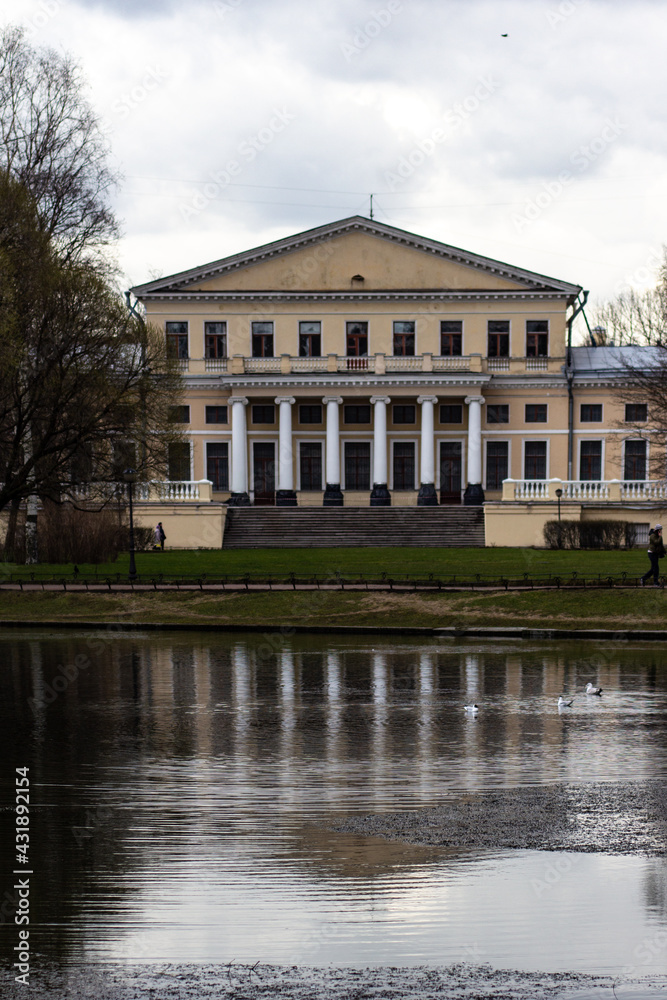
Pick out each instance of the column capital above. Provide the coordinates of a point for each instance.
(285, 399)
(475, 399)
(380, 399)
(332, 399)
(427, 399)
(239, 399)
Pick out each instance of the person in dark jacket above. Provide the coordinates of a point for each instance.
(656, 550)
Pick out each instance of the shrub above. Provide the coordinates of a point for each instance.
(600, 534)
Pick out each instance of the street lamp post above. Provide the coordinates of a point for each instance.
(130, 477)
(559, 494)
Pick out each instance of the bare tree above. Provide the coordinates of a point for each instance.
(52, 143)
(635, 317)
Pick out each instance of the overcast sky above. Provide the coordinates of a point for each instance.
(532, 131)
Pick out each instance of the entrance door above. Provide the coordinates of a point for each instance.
(450, 472)
(264, 473)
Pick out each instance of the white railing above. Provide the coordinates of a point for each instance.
(215, 364)
(355, 364)
(308, 364)
(531, 489)
(644, 489)
(498, 364)
(584, 489)
(177, 491)
(537, 364)
(404, 363)
(261, 364)
(444, 362)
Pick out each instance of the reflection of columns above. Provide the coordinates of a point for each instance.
(381, 764)
(474, 494)
(427, 495)
(239, 497)
(380, 496)
(285, 497)
(333, 496)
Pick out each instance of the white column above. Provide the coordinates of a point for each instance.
(427, 495)
(333, 495)
(285, 457)
(380, 439)
(239, 446)
(474, 444)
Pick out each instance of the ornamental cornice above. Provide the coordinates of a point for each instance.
(435, 295)
(287, 383)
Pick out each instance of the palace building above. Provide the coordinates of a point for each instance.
(357, 364)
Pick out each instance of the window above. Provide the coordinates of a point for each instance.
(124, 457)
(310, 465)
(537, 338)
(310, 339)
(177, 339)
(215, 340)
(404, 339)
(634, 466)
(636, 413)
(356, 340)
(404, 413)
(179, 414)
(310, 413)
(497, 463)
(536, 413)
(178, 463)
(591, 413)
(535, 460)
(262, 340)
(404, 465)
(216, 415)
(499, 338)
(497, 413)
(451, 338)
(357, 414)
(263, 413)
(357, 465)
(590, 460)
(217, 465)
(451, 413)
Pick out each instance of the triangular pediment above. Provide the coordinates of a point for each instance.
(356, 255)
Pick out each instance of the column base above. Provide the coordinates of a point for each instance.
(380, 495)
(239, 500)
(427, 496)
(286, 498)
(474, 495)
(333, 496)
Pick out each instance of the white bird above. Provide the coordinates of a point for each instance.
(473, 709)
(592, 690)
(564, 702)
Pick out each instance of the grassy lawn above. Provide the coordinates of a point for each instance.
(371, 562)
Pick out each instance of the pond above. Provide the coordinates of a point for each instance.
(183, 787)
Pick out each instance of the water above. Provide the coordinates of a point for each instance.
(183, 789)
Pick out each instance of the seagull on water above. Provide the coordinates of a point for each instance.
(592, 690)
(565, 702)
(472, 709)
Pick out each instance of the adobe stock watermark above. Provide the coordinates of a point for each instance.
(452, 120)
(128, 102)
(581, 158)
(247, 151)
(556, 15)
(223, 8)
(45, 12)
(364, 35)
(645, 276)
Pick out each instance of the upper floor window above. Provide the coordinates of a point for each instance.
(404, 338)
(263, 413)
(403, 413)
(451, 338)
(535, 460)
(216, 415)
(536, 413)
(499, 338)
(590, 460)
(177, 339)
(537, 338)
(310, 413)
(497, 413)
(451, 413)
(636, 413)
(262, 340)
(310, 339)
(356, 340)
(179, 414)
(215, 340)
(634, 465)
(590, 413)
(357, 413)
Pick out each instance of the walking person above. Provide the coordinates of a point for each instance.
(159, 536)
(656, 550)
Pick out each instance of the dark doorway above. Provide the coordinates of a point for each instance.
(357, 466)
(450, 472)
(264, 474)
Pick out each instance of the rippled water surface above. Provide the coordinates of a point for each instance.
(183, 786)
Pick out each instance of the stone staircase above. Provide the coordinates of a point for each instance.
(327, 527)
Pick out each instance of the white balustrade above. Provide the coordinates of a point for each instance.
(450, 363)
(308, 364)
(498, 364)
(215, 364)
(585, 489)
(401, 363)
(537, 364)
(644, 489)
(261, 365)
(531, 489)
